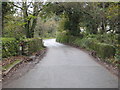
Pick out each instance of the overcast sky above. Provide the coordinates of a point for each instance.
(63, 0)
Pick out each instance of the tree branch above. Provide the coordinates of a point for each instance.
(17, 6)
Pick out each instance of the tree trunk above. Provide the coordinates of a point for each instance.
(103, 27)
(1, 19)
(34, 21)
(33, 27)
(26, 21)
(2, 24)
(103, 19)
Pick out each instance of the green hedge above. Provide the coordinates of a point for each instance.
(85, 42)
(62, 38)
(103, 50)
(32, 45)
(9, 47)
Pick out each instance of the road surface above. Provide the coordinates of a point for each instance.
(66, 67)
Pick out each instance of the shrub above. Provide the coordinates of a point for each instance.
(9, 47)
(103, 50)
(62, 38)
(72, 39)
(32, 45)
(85, 42)
(117, 55)
(77, 42)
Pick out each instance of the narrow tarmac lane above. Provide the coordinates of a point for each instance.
(66, 67)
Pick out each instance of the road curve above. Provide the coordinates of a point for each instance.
(66, 67)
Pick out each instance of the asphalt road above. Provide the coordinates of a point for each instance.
(66, 67)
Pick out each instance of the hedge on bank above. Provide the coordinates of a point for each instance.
(103, 50)
(13, 47)
(32, 45)
(65, 38)
(62, 38)
(10, 47)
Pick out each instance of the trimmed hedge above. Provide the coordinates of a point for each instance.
(10, 47)
(32, 45)
(103, 50)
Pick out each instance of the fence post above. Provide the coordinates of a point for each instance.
(21, 49)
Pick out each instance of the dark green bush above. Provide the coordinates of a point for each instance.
(62, 38)
(117, 55)
(85, 42)
(9, 47)
(32, 45)
(103, 50)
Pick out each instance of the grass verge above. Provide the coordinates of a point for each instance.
(5, 68)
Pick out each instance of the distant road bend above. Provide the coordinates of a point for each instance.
(66, 67)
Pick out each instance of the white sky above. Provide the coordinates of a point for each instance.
(62, 0)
